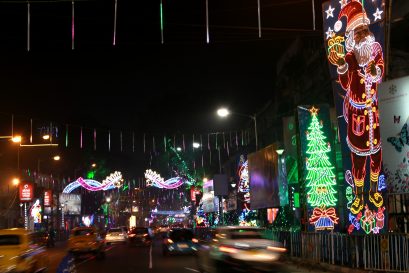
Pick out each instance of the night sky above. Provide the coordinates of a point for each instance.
(141, 84)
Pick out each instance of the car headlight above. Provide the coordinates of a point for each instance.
(227, 249)
(276, 249)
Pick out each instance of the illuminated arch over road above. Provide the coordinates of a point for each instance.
(154, 179)
(111, 182)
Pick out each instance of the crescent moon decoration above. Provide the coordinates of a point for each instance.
(154, 179)
(114, 180)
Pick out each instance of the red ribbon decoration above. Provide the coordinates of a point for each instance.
(324, 213)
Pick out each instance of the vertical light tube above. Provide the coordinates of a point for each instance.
(72, 26)
(81, 138)
(115, 16)
(207, 22)
(28, 26)
(95, 139)
(313, 15)
(259, 18)
(31, 130)
(120, 135)
(161, 22)
(109, 140)
(66, 135)
(133, 142)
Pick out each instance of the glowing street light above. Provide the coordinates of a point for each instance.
(16, 139)
(178, 149)
(196, 145)
(16, 181)
(46, 137)
(108, 199)
(93, 165)
(223, 112)
(57, 157)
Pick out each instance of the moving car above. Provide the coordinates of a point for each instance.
(86, 240)
(139, 236)
(21, 251)
(179, 241)
(116, 235)
(239, 248)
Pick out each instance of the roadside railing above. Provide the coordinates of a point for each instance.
(380, 252)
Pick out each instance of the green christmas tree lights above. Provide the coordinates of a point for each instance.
(320, 176)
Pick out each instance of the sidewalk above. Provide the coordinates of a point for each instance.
(325, 267)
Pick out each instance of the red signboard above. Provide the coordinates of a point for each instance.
(193, 192)
(26, 192)
(48, 198)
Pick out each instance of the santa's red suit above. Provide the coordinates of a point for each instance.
(359, 78)
(361, 105)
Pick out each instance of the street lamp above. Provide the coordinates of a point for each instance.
(224, 112)
(15, 181)
(55, 158)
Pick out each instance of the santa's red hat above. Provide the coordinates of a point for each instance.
(355, 14)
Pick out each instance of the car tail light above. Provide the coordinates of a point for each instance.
(277, 249)
(170, 241)
(228, 249)
(194, 240)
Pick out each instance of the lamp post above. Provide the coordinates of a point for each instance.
(108, 200)
(55, 158)
(17, 139)
(224, 112)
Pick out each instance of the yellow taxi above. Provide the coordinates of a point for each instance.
(86, 240)
(21, 251)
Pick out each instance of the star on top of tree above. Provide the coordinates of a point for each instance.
(313, 111)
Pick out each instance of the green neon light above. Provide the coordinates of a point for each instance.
(320, 177)
(90, 175)
(296, 200)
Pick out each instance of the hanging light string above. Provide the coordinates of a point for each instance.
(259, 18)
(115, 19)
(72, 26)
(28, 26)
(207, 22)
(161, 22)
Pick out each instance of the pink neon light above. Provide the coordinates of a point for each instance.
(85, 185)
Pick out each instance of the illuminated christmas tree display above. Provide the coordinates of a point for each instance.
(320, 176)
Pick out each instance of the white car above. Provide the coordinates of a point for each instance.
(239, 248)
(116, 235)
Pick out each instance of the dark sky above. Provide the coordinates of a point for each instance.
(141, 84)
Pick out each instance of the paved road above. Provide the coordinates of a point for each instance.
(125, 259)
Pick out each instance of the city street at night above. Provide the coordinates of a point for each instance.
(123, 258)
(209, 136)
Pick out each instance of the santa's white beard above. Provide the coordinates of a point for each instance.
(363, 50)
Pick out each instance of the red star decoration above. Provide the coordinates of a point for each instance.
(313, 110)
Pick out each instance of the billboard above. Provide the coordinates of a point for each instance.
(48, 198)
(26, 191)
(354, 43)
(394, 119)
(210, 202)
(263, 174)
(70, 203)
